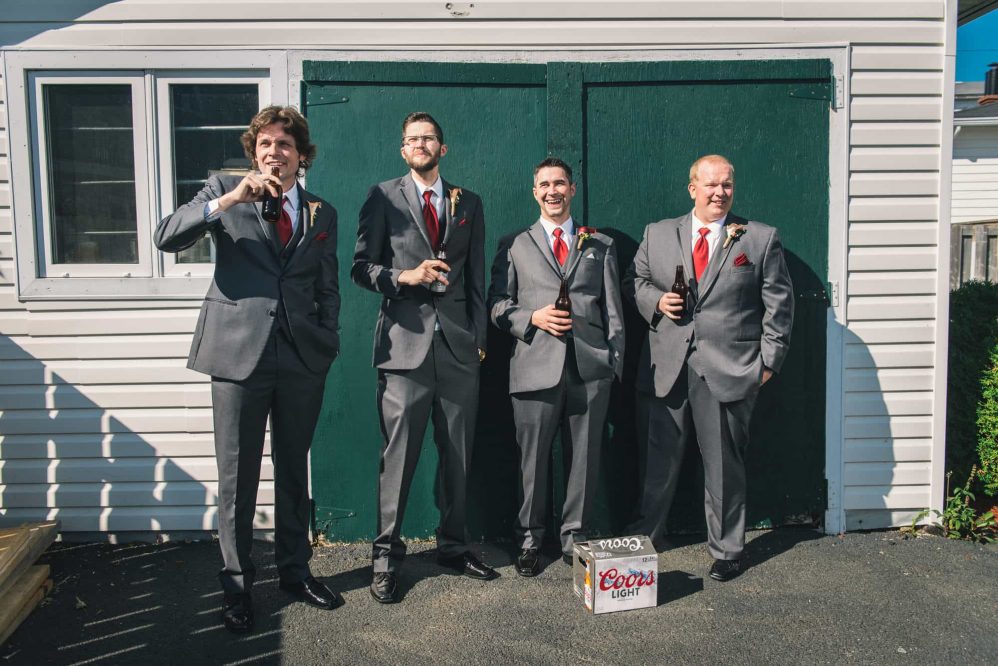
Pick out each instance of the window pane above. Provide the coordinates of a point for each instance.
(992, 263)
(208, 120)
(91, 171)
(966, 259)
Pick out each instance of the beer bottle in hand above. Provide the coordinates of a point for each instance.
(563, 302)
(437, 287)
(680, 287)
(271, 209)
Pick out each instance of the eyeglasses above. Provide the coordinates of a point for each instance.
(416, 140)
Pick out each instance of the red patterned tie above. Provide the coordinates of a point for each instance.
(560, 249)
(701, 253)
(284, 224)
(431, 219)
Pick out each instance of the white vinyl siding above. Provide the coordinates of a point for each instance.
(126, 359)
(975, 174)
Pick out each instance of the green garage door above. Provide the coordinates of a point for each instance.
(631, 129)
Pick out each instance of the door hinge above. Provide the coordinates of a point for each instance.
(839, 98)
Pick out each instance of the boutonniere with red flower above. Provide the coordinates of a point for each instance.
(313, 206)
(585, 233)
(734, 232)
(454, 195)
(321, 237)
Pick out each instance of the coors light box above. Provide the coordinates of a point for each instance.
(616, 574)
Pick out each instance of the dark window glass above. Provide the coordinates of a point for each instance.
(91, 170)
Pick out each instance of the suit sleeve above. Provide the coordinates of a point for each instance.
(613, 311)
(367, 270)
(187, 225)
(778, 302)
(327, 287)
(638, 286)
(506, 313)
(474, 277)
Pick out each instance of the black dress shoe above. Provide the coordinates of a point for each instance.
(313, 593)
(567, 559)
(723, 570)
(237, 615)
(470, 566)
(384, 588)
(528, 563)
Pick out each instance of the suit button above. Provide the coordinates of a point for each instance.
(273, 313)
(686, 340)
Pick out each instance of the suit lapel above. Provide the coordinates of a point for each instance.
(719, 258)
(448, 218)
(304, 222)
(574, 255)
(684, 230)
(536, 233)
(267, 229)
(412, 198)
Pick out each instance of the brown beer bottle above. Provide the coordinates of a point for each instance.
(680, 287)
(437, 287)
(563, 302)
(271, 209)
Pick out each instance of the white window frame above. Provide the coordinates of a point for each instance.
(164, 79)
(156, 276)
(47, 267)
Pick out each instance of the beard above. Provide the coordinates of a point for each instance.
(421, 164)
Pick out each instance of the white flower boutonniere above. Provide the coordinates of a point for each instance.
(455, 196)
(733, 231)
(313, 206)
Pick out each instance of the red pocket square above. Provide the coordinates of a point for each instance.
(463, 221)
(322, 236)
(742, 260)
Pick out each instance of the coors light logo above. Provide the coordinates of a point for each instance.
(625, 585)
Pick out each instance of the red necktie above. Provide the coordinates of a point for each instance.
(284, 224)
(560, 249)
(431, 219)
(701, 253)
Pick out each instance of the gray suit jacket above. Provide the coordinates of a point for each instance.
(741, 314)
(391, 238)
(252, 284)
(526, 277)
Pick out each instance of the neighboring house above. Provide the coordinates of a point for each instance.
(975, 182)
(837, 115)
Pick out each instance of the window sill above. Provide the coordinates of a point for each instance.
(94, 288)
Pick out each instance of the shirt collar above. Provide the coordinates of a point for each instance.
(715, 227)
(437, 187)
(293, 197)
(567, 227)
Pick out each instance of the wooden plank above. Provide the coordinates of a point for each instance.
(887, 450)
(897, 83)
(97, 371)
(906, 283)
(109, 470)
(6, 221)
(105, 397)
(113, 322)
(134, 308)
(884, 332)
(892, 258)
(120, 494)
(887, 474)
(890, 356)
(896, 108)
(22, 598)
(118, 445)
(886, 497)
(78, 421)
(884, 209)
(872, 403)
(861, 308)
(156, 518)
(903, 427)
(68, 347)
(890, 57)
(894, 134)
(880, 184)
(889, 379)
(900, 158)
(893, 233)
(880, 519)
(20, 549)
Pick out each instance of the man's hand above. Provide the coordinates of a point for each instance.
(767, 374)
(250, 189)
(555, 322)
(426, 273)
(671, 305)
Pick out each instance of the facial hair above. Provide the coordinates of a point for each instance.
(429, 165)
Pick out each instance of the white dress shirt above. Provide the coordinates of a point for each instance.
(437, 199)
(716, 228)
(567, 232)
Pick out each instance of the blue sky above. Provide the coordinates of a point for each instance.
(976, 47)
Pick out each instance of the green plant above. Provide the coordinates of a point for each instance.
(973, 336)
(959, 518)
(987, 429)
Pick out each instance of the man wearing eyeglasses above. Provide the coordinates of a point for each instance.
(428, 343)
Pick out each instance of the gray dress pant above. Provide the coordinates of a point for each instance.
(578, 409)
(444, 388)
(721, 430)
(284, 388)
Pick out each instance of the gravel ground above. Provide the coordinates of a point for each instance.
(875, 598)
